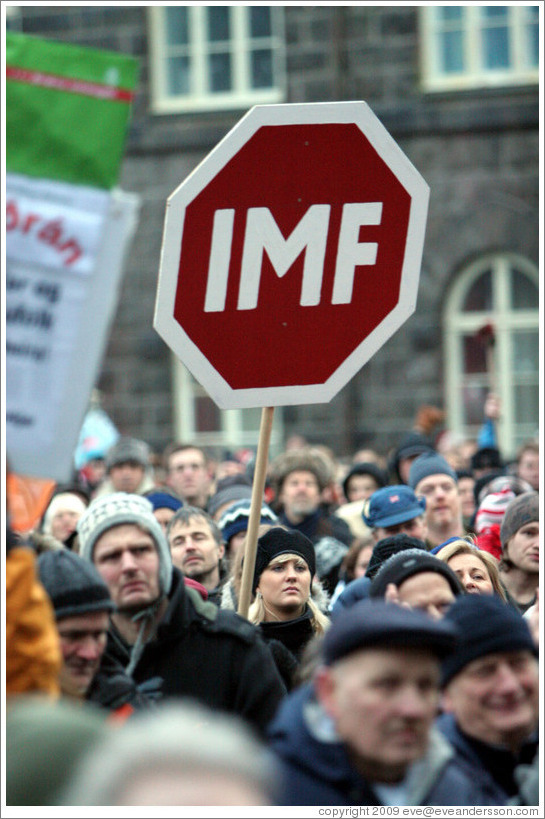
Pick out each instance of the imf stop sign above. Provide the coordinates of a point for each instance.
(291, 254)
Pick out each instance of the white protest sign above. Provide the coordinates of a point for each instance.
(65, 251)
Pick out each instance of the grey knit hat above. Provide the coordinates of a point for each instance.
(127, 450)
(521, 510)
(429, 463)
(121, 507)
(73, 585)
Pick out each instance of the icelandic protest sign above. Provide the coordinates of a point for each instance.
(68, 229)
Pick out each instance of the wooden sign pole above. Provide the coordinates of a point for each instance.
(258, 488)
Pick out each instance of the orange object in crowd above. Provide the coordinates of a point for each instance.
(27, 500)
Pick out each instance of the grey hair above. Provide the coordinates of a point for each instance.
(182, 734)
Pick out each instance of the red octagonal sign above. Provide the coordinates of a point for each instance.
(291, 254)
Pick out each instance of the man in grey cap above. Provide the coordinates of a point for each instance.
(82, 606)
(128, 468)
(519, 535)
(361, 732)
(163, 628)
(432, 478)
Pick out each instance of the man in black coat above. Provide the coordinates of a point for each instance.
(163, 629)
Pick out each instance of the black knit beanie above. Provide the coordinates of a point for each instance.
(73, 584)
(401, 566)
(486, 625)
(389, 546)
(278, 541)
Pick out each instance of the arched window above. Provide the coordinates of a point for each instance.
(491, 342)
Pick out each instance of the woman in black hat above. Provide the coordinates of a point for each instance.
(289, 604)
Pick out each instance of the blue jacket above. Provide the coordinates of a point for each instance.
(493, 768)
(353, 592)
(317, 771)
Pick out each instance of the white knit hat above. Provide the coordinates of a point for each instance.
(115, 509)
(64, 501)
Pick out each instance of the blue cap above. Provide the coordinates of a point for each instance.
(392, 505)
(164, 500)
(376, 624)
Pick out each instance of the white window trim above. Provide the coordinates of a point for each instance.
(505, 321)
(232, 434)
(242, 96)
(474, 76)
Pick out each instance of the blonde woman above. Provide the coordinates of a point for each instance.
(476, 569)
(289, 602)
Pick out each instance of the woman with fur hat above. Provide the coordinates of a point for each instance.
(289, 602)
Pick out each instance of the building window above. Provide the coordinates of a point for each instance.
(198, 418)
(476, 46)
(215, 57)
(491, 343)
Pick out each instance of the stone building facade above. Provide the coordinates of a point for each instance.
(477, 148)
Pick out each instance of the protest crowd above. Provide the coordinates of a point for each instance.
(389, 655)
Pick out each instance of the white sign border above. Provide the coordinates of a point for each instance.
(175, 336)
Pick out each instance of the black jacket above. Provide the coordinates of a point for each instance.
(112, 688)
(294, 634)
(287, 640)
(209, 654)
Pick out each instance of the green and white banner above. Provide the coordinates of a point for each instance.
(67, 233)
(67, 110)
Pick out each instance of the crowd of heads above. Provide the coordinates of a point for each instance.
(410, 572)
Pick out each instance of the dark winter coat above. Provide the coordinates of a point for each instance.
(317, 769)
(287, 639)
(294, 634)
(203, 652)
(112, 688)
(493, 767)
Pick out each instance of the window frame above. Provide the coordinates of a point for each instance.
(474, 76)
(241, 96)
(457, 323)
(234, 432)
